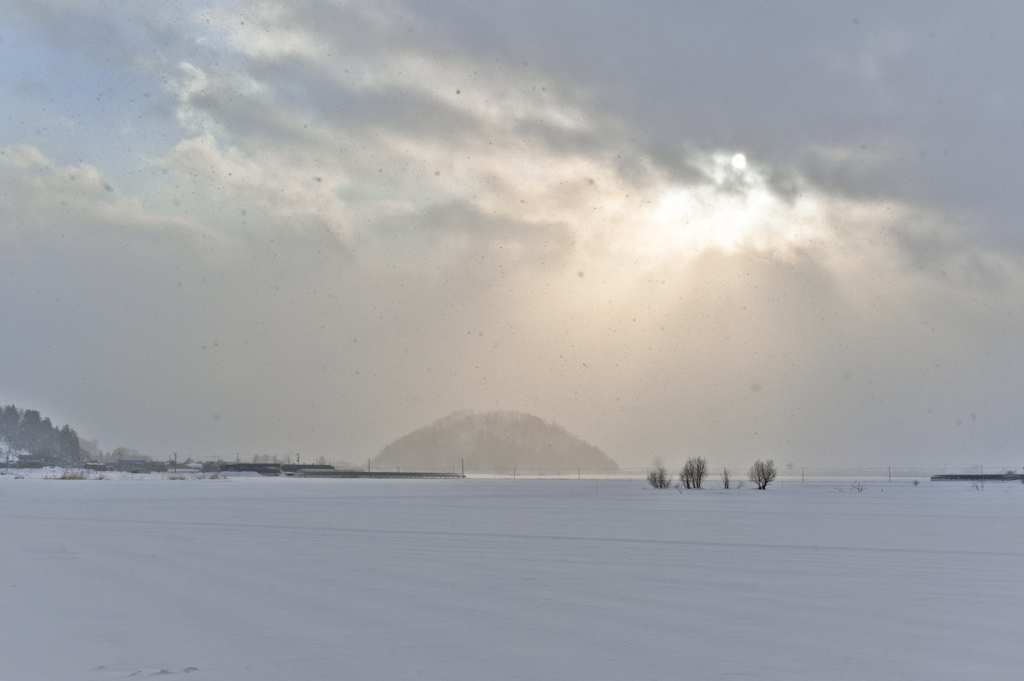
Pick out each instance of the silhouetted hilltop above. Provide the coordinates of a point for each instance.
(494, 441)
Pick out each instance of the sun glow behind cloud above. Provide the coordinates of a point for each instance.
(504, 160)
(734, 210)
(495, 163)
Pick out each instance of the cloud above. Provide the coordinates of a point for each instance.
(368, 217)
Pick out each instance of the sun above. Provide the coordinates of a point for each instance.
(725, 215)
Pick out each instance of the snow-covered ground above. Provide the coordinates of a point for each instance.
(252, 578)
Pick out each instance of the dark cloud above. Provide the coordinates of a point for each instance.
(931, 89)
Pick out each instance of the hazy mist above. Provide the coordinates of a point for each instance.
(737, 230)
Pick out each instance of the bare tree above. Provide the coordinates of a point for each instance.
(659, 478)
(762, 473)
(694, 472)
(725, 478)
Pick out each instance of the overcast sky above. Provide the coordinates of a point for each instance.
(762, 229)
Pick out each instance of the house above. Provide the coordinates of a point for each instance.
(128, 464)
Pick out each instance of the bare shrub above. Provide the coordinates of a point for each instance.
(725, 478)
(68, 475)
(694, 472)
(659, 478)
(177, 477)
(700, 471)
(916, 483)
(762, 473)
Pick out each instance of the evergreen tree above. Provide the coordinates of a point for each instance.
(27, 435)
(70, 449)
(9, 419)
(28, 431)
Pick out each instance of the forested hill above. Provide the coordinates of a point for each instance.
(494, 441)
(24, 431)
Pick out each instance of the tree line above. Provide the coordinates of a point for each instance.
(695, 471)
(26, 431)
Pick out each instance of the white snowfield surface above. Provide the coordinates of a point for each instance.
(483, 579)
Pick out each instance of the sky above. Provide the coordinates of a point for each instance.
(786, 230)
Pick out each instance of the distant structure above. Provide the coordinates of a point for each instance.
(133, 464)
(979, 477)
(323, 471)
(261, 468)
(496, 441)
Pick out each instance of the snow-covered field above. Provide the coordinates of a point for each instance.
(252, 578)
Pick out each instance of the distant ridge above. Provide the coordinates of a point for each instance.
(494, 441)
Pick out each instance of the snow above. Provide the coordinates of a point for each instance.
(8, 455)
(275, 578)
